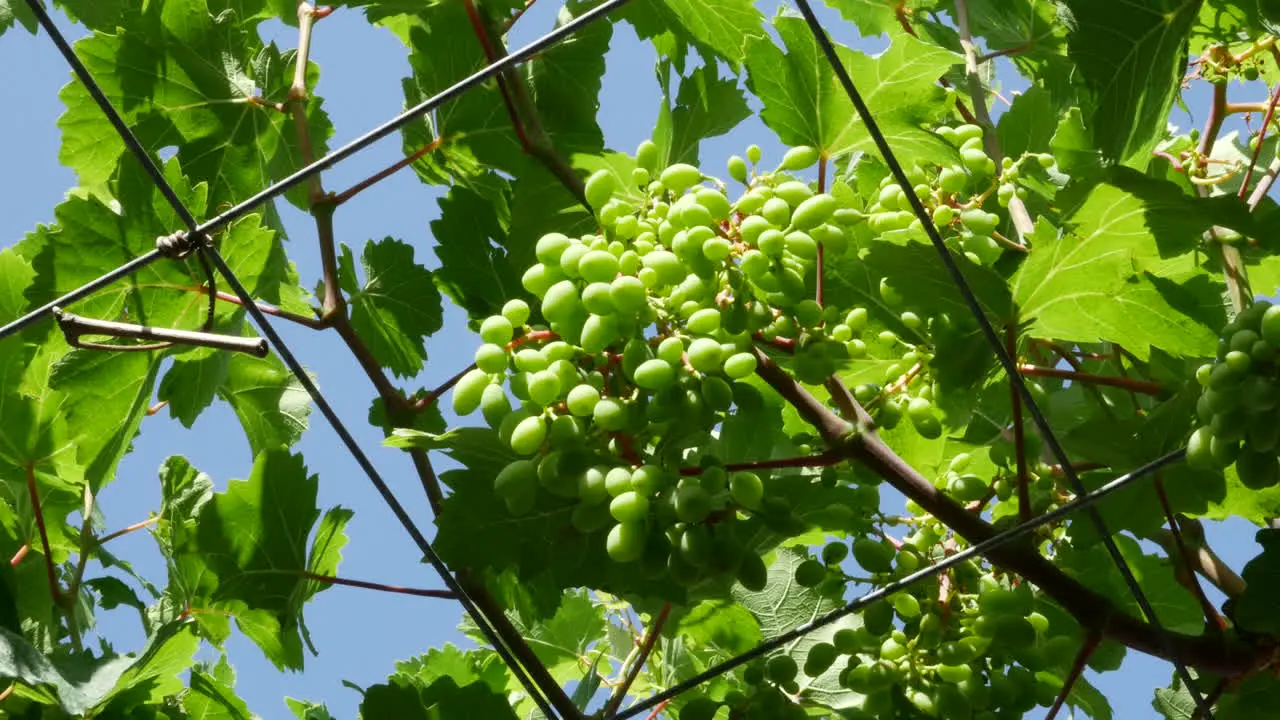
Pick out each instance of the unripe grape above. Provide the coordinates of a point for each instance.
(704, 322)
(491, 358)
(740, 365)
(550, 247)
(599, 187)
(530, 360)
(561, 303)
(798, 158)
(979, 222)
(571, 256)
(692, 504)
(667, 267)
(610, 414)
(680, 177)
(801, 245)
(704, 355)
(654, 374)
(776, 211)
(746, 489)
(629, 506)
(714, 201)
(890, 294)
(810, 573)
(626, 542)
(469, 391)
(539, 277)
(496, 329)
(647, 155)
(738, 168)
(543, 387)
(598, 266)
(975, 160)
(598, 332)
(716, 249)
(751, 202)
(517, 485)
(582, 400)
(793, 192)
(528, 435)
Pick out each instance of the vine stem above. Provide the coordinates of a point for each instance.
(125, 531)
(1071, 359)
(1233, 271)
(637, 664)
(314, 323)
(87, 545)
(431, 397)
(365, 584)
(857, 442)
(1202, 558)
(533, 138)
(978, 93)
(1144, 387)
(383, 174)
(1185, 572)
(1262, 136)
(1091, 643)
(34, 493)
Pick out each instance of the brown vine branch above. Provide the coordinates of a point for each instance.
(1144, 387)
(34, 493)
(823, 459)
(525, 120)
(365, 584)
(1219, 655)
(1091, 642)
(267, 309)
(1262, 136)
(1203, 559)
(637, 664)
(988, 57)
(1185, 572)
(157, 407)
(1073, 359)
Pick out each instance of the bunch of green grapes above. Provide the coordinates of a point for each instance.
(1238, 406)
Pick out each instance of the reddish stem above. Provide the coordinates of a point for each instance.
(1077, 667)
(512, 20)
(385, 173)
(430, 398)
(820, 460)
(786, 345)
(491, 56)
(656, 711)
(321, 13)
(1262, 136)
(1186, 574)
(313, 323)
(34, 493)
(157, 407)
(442, 594)
(898, 385)
(1007, 51)
(1132, 385)
(22, 552)
(650, 639)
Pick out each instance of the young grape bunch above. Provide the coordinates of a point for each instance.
(1238, 407)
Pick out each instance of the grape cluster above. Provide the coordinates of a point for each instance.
(1238, 406)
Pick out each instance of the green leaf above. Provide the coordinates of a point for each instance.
(724, 26)
(1092, 284)
(706, 106)
(270, 402)
(562, 640)
(156, 70)
(16, 11)
(478, 449)
(16, 274)
(246, 553)
(442, 699)
(725, 627)
(475, 272)
(565, 83)
(1028, 125)
(397, 306)
(805, 104)
(1132, 57)
(210, 699)
(150, 677)
(1092, 565)
(1255, 609)
(307, 710)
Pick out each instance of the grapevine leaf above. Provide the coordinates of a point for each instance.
(560, 641)
(1132, 57)
(783, 604)
(1092, 284)
(209, 698)
(462, 666)
(16, 11)
(476, 272)
(307, 710)
(805, 105)
(270, 402)
(1255, 609)
(395, 308)
(1028, 125)
(873, 17)
(1173, 604)
(706, 106)
(568, 109)
(722, 26)
(727, 628)
(247, 553)
(442, 698)
(478, 449)
(156, 70)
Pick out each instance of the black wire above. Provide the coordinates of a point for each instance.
(327, 161)
(1010, 367)
(388, 496)
(1084, 501)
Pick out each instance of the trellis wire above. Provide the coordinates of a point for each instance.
(1006, 359)
(210, 253)
(488, 72)
(1084, 501)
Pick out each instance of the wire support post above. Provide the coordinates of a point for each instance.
(1018, 531)
(349, 441)
(993, 338)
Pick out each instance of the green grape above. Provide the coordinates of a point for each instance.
(714, 201)
(975, 159)
(781, 669)
(491, 358)
(801, 157)
(907, 606)
(810, 573)
(752, 227)
(776, 211)
(600, 187)
(544, 387)
(582, 400)
(592, 487)
(738, 168)
(516, 312)
(801, 245)
(773, 243)
(1257, 470)
(704, 355)
(628, 294)
(629, 507)
(618, 481)
(892, 650)
(717, 249)
(752, 573)
(469, 391)
(626, 542)
(528, 435)
(598, 266)
(920, 411)
(834, 553)
(746, 489)
(716, 393)
(517, 485)
(696, 546)
(590, 517)
(647, 155)
(496, 330)
(979, 221)
(494, 405)
(1271, 325)
(530, 360)
(668, 270)
(833, 239)
(550, 247)
(740, 365)
(552, 476)
(793, 192)
(873, 555)
(813, 211)
(704, 322)
(654, 374)
(820, 658)
(598, 332)
(597, 298)
(561, 301)
(680, 177)
(610, 414)
(692, 504)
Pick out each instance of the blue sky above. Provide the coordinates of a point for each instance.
(360, 634)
